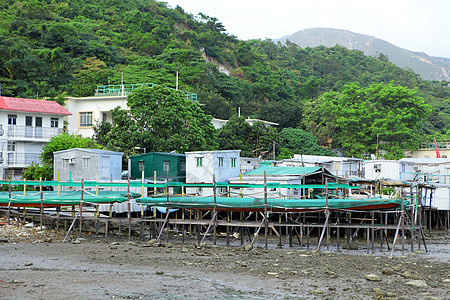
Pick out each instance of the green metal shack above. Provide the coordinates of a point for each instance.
(160, 162)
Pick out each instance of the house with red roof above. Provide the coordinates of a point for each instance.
(26, 125)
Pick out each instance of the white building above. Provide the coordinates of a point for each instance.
(389, 169)
(431, 169)
(88, 111)
(88, 164)
(26, 125)
(249, 163)
(202, 165)
(219, 123)
(338, 166)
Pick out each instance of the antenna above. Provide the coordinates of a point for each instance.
(239, 112)
(122, 87)
(176, 87)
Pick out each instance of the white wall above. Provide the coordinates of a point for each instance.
(389, 169)
(210, 166)
(97, 105)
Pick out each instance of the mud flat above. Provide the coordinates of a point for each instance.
(37, 265)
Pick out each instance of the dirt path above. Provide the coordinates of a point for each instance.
(37, 265)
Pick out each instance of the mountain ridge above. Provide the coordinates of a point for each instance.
(428, 67)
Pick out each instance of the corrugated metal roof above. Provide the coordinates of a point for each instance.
(159, 153)
(426, 160)
(98, 151)
(283, 170)
(32, 105)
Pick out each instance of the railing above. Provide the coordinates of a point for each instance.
(128, 89)
(425, 177)
(14, 158)
(32, 132)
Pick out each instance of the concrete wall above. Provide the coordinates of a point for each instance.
(210, 166)
(106, 164)
(97, 105)
(389, 169)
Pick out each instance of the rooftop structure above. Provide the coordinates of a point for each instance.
(127, 89)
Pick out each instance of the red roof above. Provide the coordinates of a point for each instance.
(32, 105)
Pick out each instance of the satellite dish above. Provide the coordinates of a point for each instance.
(373, 157)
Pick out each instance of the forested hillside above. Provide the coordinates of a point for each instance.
(58, 48)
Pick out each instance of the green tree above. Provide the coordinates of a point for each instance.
(382, 115)
(161, 119)
(65, 141)
(253, 140)
(299, 141)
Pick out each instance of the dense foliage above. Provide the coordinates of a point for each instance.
(365, 120)
(62, 47)
(253, 140)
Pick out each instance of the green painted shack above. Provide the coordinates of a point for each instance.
(160, 162)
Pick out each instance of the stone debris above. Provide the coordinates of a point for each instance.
(417, 283)
(372, 277)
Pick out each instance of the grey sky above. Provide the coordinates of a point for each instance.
(417, 25)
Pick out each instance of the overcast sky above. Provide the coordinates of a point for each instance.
(417, 25)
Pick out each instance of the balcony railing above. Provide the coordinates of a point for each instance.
(14, 158)
(33, 132)
(107, 90)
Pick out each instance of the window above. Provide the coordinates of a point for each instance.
(199, 161)
(65, 163)
(85, 119)
(86, 162)
(28, 121)
(377, 168)
(141, 165)
(166, 165)
(12, 119)
(233, 162)
(54, 122)
(182, 166)
(220, 161)
(11, 146)
(444, 156)
(104, 117)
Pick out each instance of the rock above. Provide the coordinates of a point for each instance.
(419, 252)
(327, 252)
(247, 247)
(169, 245)
(317, 292)
(159, 272)
(387, 271)
(29, 225)
(152, 241)
(28, 264)
(236, 235)
(372, 277)
(417, 283)
(292, 273)
(115, 243)
(272, 273)
(77, 241)
(409, 275)
(184, 250)
(353, 245)
(244, 264)
(48, 240)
